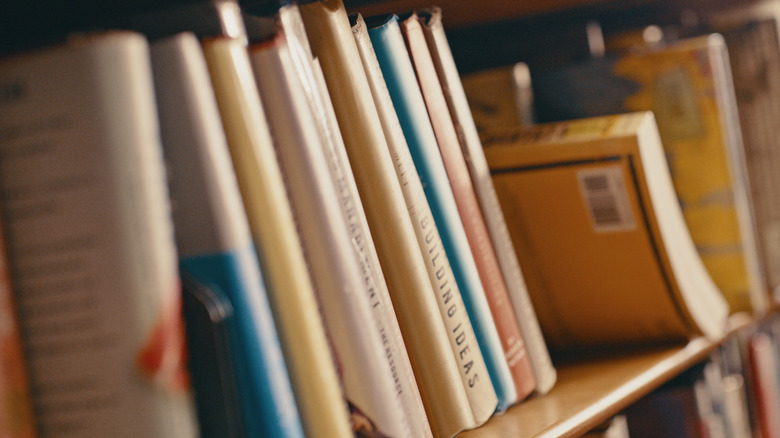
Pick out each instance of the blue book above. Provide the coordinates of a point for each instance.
(405, 93)
(212, 234)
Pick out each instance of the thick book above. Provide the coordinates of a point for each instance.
(471, 145)
(212, 232)
(365, 372)
(16, 410)
(600, 234)
(521, 375)
(328, 30)
(397, 69)
(688, 86)
(309, 72)
(91, 240)
(304, 342)
(451, 307)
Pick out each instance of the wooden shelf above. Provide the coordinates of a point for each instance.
(590, 392)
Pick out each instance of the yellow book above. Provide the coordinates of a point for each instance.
(688, 86)
(312, 371)
(414, 299)
(600, 235)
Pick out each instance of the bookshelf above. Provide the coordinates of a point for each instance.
(588, 391)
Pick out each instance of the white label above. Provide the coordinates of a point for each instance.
(604, 192)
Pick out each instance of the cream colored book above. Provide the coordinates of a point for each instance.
(91, 245)
(483, 184)
(451, 305)
(437, 374)
(365, 372)
(310, 71)
(600, 234)
(312, 370)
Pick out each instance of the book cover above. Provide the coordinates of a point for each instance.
(687, 86)
(330, 37)
(212, 232)
(305, 345)
(451, 307)
(606, 254)
(365, 372)
(521, 375)
(544, 372)
(90, 239)
(382, 309)
(396, 66)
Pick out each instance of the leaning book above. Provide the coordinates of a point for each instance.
(605, 252)
(90, 237)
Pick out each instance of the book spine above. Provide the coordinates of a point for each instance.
(366, 374)
(511, 372)
(382, 306)
(304, 343)
(544, 372)
(91, 241)
(329, 34)
(402, 84)
(212, 232)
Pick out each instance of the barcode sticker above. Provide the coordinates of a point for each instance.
(604, 192)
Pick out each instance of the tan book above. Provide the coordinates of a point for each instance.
(471, 145)
(330, 37)
(606, 253)
(312, 370)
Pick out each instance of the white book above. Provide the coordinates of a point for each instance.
(91, 240)
(212, 234)
(483, 184)
(366, 375)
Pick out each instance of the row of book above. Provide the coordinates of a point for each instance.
(309, 190)
(334, 283)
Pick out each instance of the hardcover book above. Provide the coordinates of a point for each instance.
(212, 232)
(399, 75)
(688, 86)
(306, 347)
(364, 370)
(606, 254)
(329, 34)
(90, 239)
(544, 372)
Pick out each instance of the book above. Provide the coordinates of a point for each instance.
(605, 251)
(382, 309)
(90, 240)
(688, 86)
(316, 388)
(544, 371)
(396, 66)
(451, 307)
(212, 232)
(16, 410)
(474, 224)
(754, 56)
(345, 302)
(500, 97)
(414, 299)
